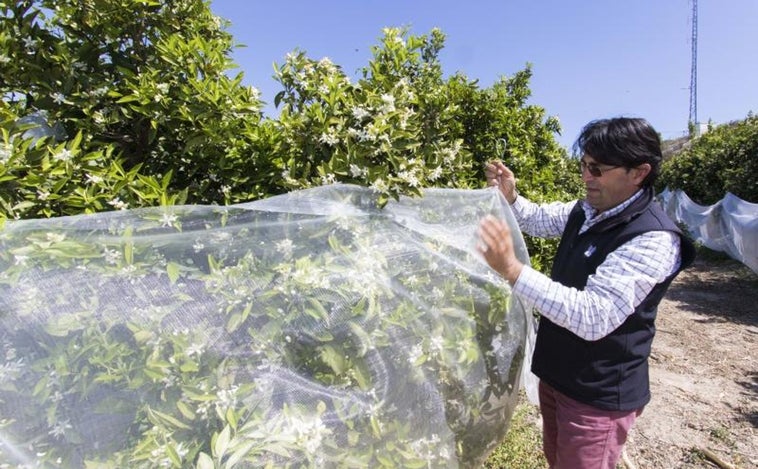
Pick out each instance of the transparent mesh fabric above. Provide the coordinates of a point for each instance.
(730, 225)
(309, 329)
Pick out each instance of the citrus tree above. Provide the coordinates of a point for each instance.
(135, 104)
(122, 104)
(403, 126)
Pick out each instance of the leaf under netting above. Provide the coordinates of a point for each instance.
(309, 329)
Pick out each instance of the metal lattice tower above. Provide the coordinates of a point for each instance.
(693, 70)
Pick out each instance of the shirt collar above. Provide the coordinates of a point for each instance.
(590, 217)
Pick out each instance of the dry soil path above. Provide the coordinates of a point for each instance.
(704, 373)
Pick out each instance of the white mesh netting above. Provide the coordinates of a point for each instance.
(309, 329)
(730, 225)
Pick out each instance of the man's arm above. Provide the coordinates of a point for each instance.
(618, 286)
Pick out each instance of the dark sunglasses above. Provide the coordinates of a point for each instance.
(594, 169)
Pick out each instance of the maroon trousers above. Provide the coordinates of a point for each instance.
(579, 436)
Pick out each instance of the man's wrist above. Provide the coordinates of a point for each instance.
(513, 272)
(512, 200)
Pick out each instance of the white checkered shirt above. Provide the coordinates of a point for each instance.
(618, 286)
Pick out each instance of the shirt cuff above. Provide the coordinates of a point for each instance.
(530, 286)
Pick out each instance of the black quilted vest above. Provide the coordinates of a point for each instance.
(610, 373)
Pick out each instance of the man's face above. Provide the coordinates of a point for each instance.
(611, 185)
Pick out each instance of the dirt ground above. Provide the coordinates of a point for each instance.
(704, 373)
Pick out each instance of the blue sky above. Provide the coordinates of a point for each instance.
(590, 58)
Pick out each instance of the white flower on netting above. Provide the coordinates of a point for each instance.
(118, 204)
(285, 247)
(311, 276)
(309, 433)
(328, 179)
(20, 259)
(63, 155)
(226, 398)
(42, 195)
(168, 219)
(112, 256)
(10, 370)
(198, 246)
(59, 429)
(344, 223)
(379, 185)
(436, 344)
(10, 353)
(409, 177)
(412, 281)
(55, 237)
(415, 354)
(427, 448)
(58, 98)
(357, 171)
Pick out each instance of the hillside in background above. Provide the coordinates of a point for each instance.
(674, 146)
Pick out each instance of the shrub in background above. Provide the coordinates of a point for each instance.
(724, 159)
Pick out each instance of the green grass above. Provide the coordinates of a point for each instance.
(522, 447)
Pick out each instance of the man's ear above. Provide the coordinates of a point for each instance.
(641, 172)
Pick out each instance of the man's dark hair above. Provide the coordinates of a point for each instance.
(622, 141)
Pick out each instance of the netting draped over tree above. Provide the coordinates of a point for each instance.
(312, 328)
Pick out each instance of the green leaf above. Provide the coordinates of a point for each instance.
(239, 453)
(128, 99)
(334, 358)
(221, 442)
(204, 462)
(63, 324)
(317, 310)
(168, 419)
(237, 319)
(185, 410)
(173, 455)
(174, 271)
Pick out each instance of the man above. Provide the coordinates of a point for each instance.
(617, 256)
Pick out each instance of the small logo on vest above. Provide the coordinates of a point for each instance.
(589, 250)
